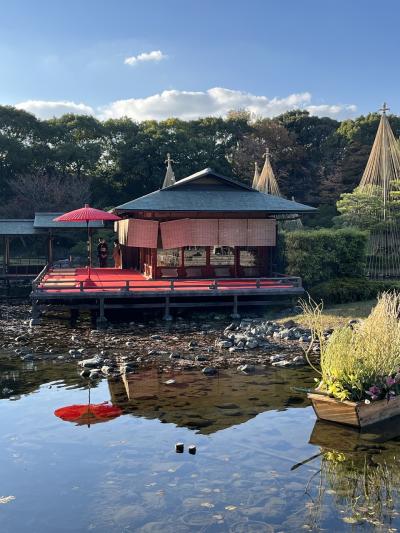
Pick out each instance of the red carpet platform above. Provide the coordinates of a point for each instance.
(110, 280)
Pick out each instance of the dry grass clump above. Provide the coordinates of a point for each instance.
(362, 357)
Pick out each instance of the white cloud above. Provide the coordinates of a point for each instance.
(217, 102)
(333, 111)
(155, 55)
(188, 105)
(49, 109)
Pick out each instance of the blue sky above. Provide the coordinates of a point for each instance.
(338, 58)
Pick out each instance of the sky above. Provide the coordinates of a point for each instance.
(153, 59)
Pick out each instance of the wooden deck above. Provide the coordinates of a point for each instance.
(112, 288)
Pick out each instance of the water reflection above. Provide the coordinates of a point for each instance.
(207, 404)
(360, 471)
(262, 462)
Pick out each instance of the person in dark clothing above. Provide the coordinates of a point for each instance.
(102, 253)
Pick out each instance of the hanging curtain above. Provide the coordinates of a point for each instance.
(121, 227)
(261, 232)
(218, 232)
(142, 233)
(232, 232)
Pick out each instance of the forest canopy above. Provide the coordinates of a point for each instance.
(314, 159)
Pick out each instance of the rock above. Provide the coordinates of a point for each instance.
(289, 324)
(282, 364)
(193, 344)
(251, 344)
(276, 357)
(95, 362)
(130, 366)
(170, 382)
(155, 337)
(247, 369)
(95, 373)
(175, 355)
(231, 327)
(209, 371)
(299, 360)
(28, 357)
(108, 370)
(192, 449)
(224, 344)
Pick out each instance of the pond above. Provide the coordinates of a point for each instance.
(262, 463)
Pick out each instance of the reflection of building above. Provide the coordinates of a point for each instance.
(202, 403)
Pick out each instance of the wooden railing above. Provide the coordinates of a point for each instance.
(37, 281)
(164, 286)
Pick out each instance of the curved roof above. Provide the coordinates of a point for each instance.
(208, 191)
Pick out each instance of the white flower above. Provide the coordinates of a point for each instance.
(367, 401)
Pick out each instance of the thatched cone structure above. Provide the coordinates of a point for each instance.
(256, 175)
(169, 175)
(381, 182)
(267, 182)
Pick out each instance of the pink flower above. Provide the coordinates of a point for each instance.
(373, 391)
(390, 381)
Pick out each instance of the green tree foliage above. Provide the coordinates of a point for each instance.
(314, 159)
(321, 255)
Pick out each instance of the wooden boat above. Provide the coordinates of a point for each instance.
(356, 414)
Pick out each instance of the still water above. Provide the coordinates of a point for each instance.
(262, 461)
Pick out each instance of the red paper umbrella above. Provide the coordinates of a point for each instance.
(87, 214)
(88, 414)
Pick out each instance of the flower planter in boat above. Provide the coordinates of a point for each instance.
(357, 414)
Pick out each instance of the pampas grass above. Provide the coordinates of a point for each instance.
(357, 357)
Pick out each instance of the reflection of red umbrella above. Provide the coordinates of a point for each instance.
(91, 413)
(88, 414)
(87, 214)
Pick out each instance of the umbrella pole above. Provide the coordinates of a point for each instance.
(89, 248)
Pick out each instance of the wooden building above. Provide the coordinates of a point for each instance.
(203, 226)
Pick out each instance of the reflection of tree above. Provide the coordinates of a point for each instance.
(363, 485)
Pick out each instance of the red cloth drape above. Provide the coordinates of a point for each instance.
(218, 232)
(141, 233)
(261, 232)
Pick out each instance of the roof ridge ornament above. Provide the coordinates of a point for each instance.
(169, 175)
(384, 108)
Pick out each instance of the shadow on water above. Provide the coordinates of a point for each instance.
(207, 404)
(263, 463)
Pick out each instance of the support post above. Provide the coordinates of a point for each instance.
(153, 263)
(236, 252)
(4, 256)
(7, 254)
(36, 314)
(101, 322)
(235, 315)
(73, 318)
(50, 248)
(167, 314)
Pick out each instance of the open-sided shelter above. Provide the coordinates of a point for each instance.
(205, 225)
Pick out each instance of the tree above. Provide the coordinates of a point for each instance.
(43, 192)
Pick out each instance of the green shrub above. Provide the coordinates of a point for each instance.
(344, 290)
(321, 255)
(360, 363)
